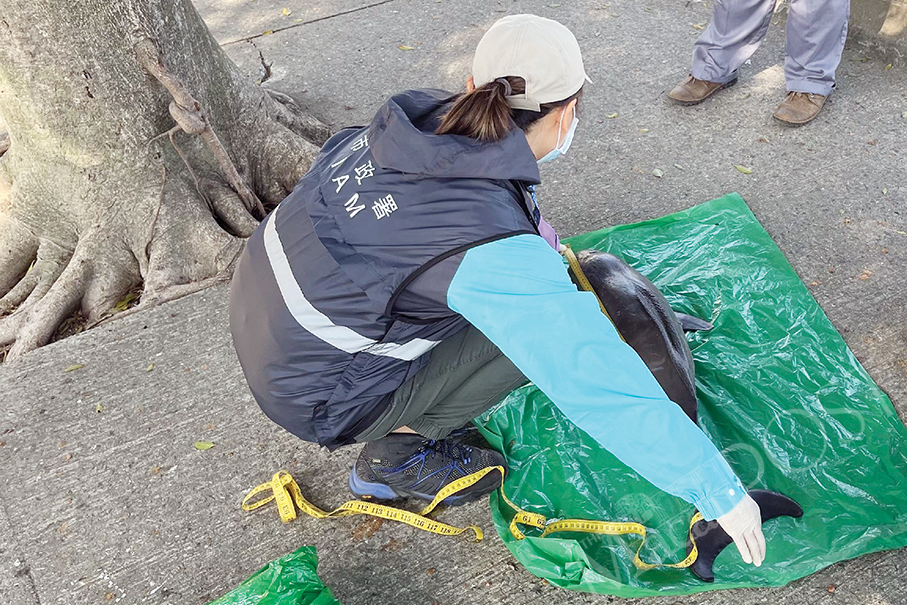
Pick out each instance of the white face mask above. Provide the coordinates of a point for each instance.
(561, 149)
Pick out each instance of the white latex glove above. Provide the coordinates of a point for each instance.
(744, 525)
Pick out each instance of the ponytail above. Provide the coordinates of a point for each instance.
(482, 114)
(485, 114)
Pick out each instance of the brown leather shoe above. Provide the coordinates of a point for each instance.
(798, 108)
(692, 91)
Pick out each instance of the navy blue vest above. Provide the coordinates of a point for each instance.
(341, 292)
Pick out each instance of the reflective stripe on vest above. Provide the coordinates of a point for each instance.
(317, 323)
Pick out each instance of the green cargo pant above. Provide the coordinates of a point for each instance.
(466, 375)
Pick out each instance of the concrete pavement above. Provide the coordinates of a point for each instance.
(105, 499)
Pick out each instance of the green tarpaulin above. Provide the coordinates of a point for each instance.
(289, 580)
(780, 394)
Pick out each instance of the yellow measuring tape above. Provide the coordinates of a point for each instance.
(585, 285)
(286, 492)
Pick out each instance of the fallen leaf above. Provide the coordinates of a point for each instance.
(884, 192)
(744, 169)
(150, 367)
(698, 25)
(889, 66)
(402, 47)
(901, 232)
(203, 445)
(860, 60)
(74, 367)
(298, 20)
(643, 130)
(745, 96)
(286, 12)
(67, 457)
(155, 470)
(123, 303)
(267, 32)
(657, 173)
(611, 116)
(865, 274)
(99, 408)
(430, 571)
(831, 588)
(678, 166)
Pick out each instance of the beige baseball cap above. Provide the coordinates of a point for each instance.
(541, 51)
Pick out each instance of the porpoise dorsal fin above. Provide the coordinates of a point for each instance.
(690, 323)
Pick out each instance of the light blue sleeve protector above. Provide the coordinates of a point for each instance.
(517, 292)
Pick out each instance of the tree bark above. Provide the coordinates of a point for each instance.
(108, 181)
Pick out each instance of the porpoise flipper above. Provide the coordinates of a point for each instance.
(711, 539)
(690, 323)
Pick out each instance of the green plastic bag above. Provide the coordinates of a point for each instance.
(289, 580)
(780, 394)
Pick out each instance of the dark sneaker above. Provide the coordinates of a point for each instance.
(403, 465)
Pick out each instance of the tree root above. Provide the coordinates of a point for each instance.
(168, 294)
(285, 110)
(37, 280)
(59, 302)
(17, 252)
(106, 287)
(285, 158)
(187, 112)
(228, 207)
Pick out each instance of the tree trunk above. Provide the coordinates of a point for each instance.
(100, 191)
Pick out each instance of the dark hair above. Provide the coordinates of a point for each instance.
(484, 113)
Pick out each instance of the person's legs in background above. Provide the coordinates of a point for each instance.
(466, 375)
(735, 32)
(816, 32)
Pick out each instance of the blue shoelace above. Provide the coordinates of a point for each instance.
(448, 449)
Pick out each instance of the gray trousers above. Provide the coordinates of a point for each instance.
(816, 30)
(466, 375)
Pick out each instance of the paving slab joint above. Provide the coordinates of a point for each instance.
(325, 18)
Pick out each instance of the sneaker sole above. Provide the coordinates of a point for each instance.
(369, 490)
(698, 101)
